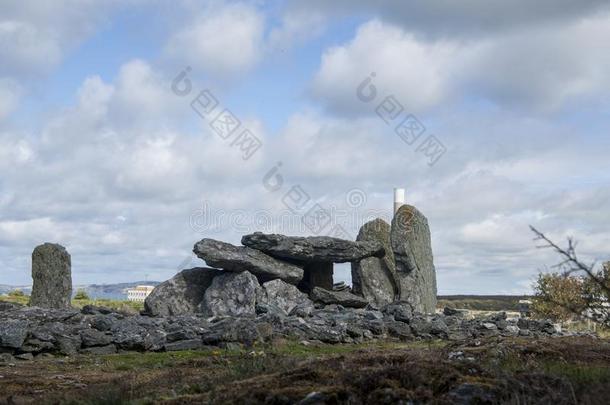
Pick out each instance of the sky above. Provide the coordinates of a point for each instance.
(129, 130)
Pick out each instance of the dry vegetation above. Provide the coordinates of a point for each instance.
(560, 370)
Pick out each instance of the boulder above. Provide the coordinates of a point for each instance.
(312, 248)
(412, 247)
(343, 298)
(238, 258)
(13, 333)
(181, 294)
(231, 294)
(375, 278)
(52, 274)
(283, 295)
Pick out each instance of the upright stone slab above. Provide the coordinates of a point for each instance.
(181, 294)
(412, 247)
(373, 278)
(317, 274)
(52, 274)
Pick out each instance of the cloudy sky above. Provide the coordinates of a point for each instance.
(131, 129)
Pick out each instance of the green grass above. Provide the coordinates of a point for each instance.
(127, 306)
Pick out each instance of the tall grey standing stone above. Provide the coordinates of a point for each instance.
(231, 294)
(373, 278)
(52, 274)
(181, 294)
(412, 246)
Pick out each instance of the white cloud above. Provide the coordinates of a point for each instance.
(221, 40)
(540, 69)
(415, 72)
(9, 97)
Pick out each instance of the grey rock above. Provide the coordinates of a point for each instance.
(13, 333)
(343, 298)
(454, 312)
(6, 358)
(411, 244)
(375, 278)
(181, 294)
(283, 295)
(92, 337)
(399, 330)
(238, 258)
(231, 294)
(68, 345)
(52, 275)
(400, 311)
(312, 248)
(25, 356)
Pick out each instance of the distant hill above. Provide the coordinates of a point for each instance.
(482, 302)
(94, 291)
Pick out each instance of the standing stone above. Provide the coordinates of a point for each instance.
(231, 294)
(412, 246)
(181, 294)
(52, 274)
(373, 278)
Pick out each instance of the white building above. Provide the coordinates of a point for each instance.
(139, 293)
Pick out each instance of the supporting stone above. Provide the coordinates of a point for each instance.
(317, 274)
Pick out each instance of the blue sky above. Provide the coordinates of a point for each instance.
(97, 153)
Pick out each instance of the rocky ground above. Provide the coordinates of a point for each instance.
(488, 370)
(27, 332)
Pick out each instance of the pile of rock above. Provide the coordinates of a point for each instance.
(287, 273)
(389, 264)
(31, 331)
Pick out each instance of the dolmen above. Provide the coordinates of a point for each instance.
(273, 272)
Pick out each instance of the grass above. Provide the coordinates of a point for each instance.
(565, 370)
(120, 305)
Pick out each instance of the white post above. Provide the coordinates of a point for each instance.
(399, 198)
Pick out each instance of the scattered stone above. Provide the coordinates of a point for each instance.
(454, 312)
(312, 248)
(238, 258)
(399, 311)
(13, 333)
(375, 278)
(231, 294)
(411, 244)
(52, 274)
(341, 286)
(283, 295)
(25, 356)
(181, 294)
(343, 298)
(6, 359)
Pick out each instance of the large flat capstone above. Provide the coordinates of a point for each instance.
(239, 258)
(313, 248)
